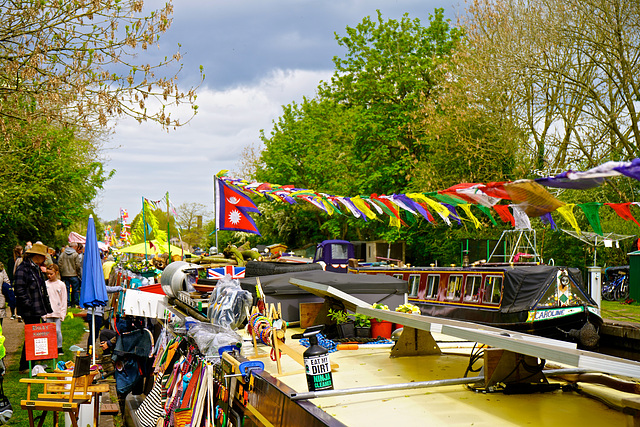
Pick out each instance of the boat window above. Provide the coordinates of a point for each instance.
(454, 288)
(492, 289)
(319, 255)
(414, 283)
(339, 251)
(398, 276)
(433, 283)
(472, 288)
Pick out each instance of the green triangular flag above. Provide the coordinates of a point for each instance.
(591, 212)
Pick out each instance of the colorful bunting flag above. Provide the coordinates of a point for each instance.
(567, 213)
(591, 212)
(623, 210)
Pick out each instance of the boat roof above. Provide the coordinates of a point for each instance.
(278, 284)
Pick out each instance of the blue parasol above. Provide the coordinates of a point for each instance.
(93, 291)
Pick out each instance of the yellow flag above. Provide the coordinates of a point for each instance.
(362, 207)
(438, 207)
(467, 209)
(567, 213)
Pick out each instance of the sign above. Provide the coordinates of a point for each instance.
(41, 341)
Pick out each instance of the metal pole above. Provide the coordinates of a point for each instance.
(144, 229)
(168, 229)
(388, 387)
(215, 208)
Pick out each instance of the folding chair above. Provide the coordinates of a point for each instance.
(58, 398)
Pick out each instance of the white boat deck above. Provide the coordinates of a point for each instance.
(439, 406)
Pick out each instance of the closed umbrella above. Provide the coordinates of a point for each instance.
(93, 291)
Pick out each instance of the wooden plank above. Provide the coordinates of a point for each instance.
(308, 313)
(543, 348)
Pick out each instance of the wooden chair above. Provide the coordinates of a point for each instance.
(63, 395)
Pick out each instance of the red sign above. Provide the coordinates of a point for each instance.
(41, 341)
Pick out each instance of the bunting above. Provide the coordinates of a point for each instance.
(567, 213)
(526, 198)
(623, 210)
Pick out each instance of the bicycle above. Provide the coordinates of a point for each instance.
(617, 288)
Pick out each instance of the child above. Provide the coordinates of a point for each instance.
(58, 298)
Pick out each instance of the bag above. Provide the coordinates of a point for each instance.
(7, 291)
(6, 411)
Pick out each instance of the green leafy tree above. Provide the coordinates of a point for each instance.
(48, 176)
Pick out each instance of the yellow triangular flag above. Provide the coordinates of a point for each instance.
(567, 213)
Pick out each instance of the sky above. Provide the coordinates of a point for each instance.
(257, 56)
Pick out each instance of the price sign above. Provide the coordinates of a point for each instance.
(41, 341)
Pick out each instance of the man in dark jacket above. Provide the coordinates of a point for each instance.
(32, 299)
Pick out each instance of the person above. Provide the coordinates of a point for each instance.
(70, 270)
(95, 316)
(7, 294)
(32, 298)
(17, 258)
(3, 303)
(58, 298)
(107, 266)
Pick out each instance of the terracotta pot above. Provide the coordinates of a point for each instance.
(381, 329)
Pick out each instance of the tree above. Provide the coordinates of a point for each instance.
(358, 136)
(48, 176)
(73, 63)
(189, 218)
(568, 74)
(389, 69)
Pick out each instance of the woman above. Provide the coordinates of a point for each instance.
(58, 298)
(17, 258)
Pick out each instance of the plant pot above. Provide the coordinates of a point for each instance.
(346, 330)
(381, 328)
(363, 332)
(396, 326)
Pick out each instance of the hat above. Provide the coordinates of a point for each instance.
(38, 249)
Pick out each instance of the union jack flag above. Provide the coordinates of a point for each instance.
(220, 272)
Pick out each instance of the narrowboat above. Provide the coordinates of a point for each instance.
(544, 300)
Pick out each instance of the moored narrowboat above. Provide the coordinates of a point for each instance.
(538, 299)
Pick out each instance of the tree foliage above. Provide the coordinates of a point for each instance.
(48, 176)
(74, 62)
(567, 72)
(382, 125)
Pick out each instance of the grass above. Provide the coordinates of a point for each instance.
(617, 310)
(72, 333)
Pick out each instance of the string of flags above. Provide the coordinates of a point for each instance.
(524, 199)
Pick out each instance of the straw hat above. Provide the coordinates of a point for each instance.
(38, 249)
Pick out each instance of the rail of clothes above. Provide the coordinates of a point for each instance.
(188, 387)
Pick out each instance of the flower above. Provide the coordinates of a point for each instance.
(408, 308)
(379, 306)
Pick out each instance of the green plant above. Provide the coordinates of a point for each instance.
(362, 321)
(339, 316)
(408, 308)
(379, 306)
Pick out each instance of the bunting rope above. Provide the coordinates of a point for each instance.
(526, 198)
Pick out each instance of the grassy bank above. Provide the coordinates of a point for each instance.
(72, 333)
(616, 310)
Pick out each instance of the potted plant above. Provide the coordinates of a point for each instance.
(406, 308)
(363, 326)
(380, 328)
(346, 326)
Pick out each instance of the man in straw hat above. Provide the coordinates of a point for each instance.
(32, 299)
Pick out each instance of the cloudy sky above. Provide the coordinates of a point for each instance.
(257, 56)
